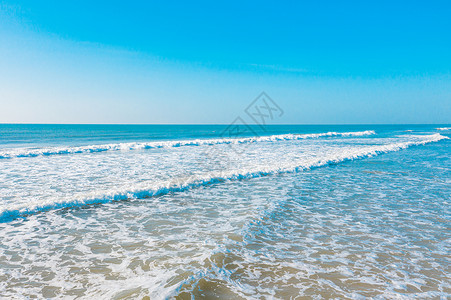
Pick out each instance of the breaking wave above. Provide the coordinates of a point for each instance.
(181, 184)
(27, 152)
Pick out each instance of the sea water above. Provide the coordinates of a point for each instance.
(182, 211)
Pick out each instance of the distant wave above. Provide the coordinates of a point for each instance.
(27, 152)
(443, 128)
(181, 184)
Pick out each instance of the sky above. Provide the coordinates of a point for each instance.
(204, 62)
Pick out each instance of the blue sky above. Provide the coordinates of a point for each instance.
(323, 62)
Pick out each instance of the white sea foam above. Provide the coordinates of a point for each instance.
(156, 188)
(355, 230)
(32, 152)
(443, 128)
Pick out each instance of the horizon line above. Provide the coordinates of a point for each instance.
(226, 124)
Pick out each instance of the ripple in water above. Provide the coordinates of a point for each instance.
(373, 227)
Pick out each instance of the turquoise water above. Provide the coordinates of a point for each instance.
(133, 211)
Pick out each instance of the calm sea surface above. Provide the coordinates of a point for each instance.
(182, 211)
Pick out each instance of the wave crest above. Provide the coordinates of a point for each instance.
(27, 152)
(182, 184)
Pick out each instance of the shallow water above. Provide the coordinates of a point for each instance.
(361, 214)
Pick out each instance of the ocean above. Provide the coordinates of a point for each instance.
(206, 211)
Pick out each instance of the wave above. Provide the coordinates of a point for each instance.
(182, 184)
(443, 128)
(27, 152)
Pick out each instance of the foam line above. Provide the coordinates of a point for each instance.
(27, 152)
(178, 184)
